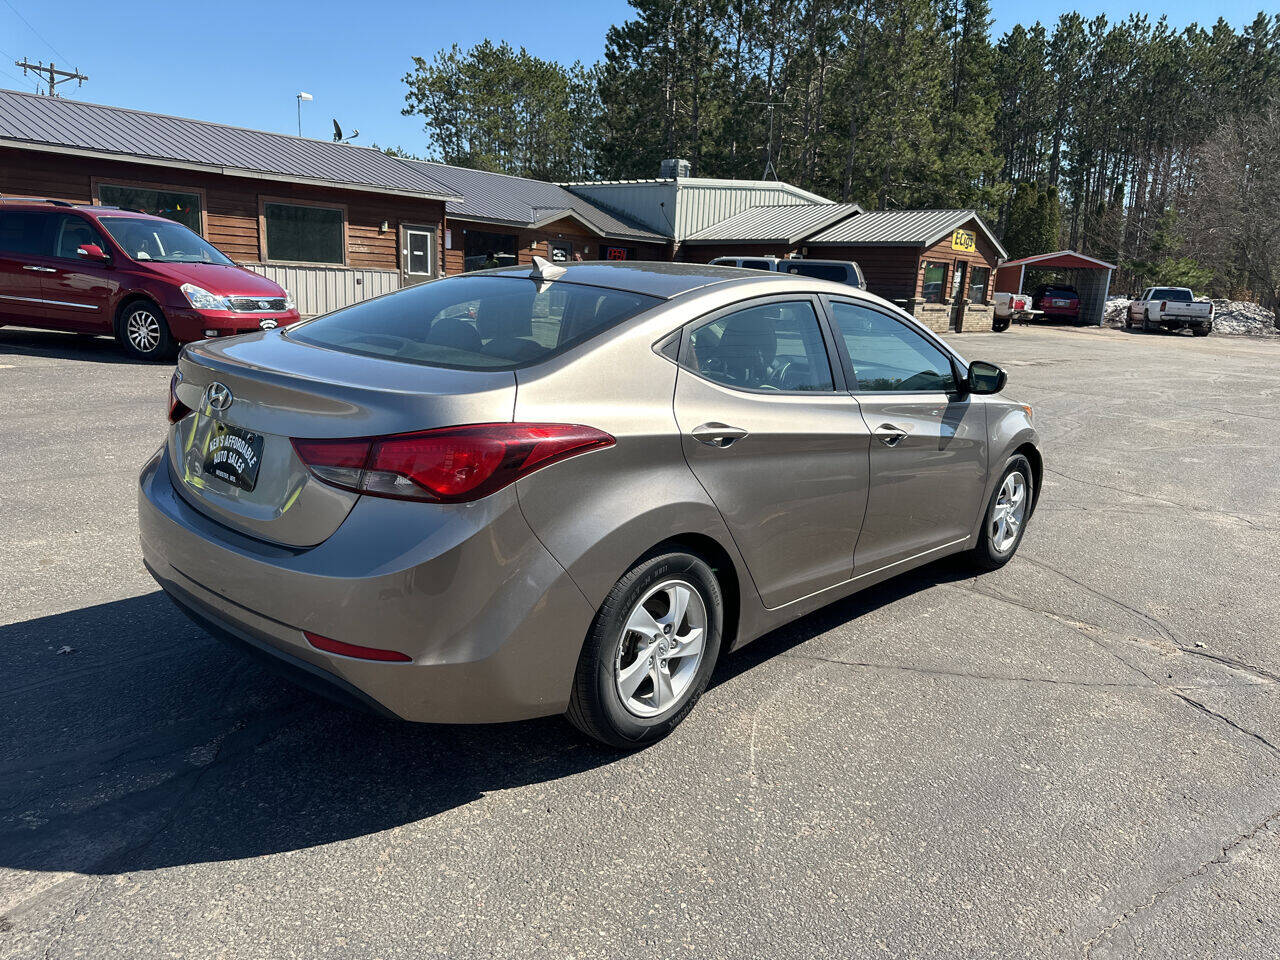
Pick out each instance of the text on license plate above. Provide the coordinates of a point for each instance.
(233, 455)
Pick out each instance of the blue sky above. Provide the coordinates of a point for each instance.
(242, 62)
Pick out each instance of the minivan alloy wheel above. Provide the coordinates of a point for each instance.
(662, 647)
(1009, 513)
(142, 327)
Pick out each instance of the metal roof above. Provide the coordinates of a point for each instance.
(502, 198)
(680, 207)
(1061, 258)
(779, 223)
(906, 228)
(60, 125)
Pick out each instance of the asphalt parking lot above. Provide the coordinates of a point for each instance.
(1078, 755)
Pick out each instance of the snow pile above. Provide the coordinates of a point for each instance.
(1243, 318)
(1113, 312)
(1230, 317)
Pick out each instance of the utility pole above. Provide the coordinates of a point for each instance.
(769, 170)
(51, 74)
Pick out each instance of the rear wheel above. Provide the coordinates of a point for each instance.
(144, 332)
(650, 652)
(1006, 517)
(1201, 331)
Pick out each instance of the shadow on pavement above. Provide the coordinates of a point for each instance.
(20, 341)
(151, 745)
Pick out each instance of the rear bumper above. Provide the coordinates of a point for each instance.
(493, 624)
(1178, 323)
(188, 325)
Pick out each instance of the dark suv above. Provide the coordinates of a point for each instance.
(151, 283)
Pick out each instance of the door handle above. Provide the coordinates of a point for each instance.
(889, 435)
(40, 269)
(717, 434)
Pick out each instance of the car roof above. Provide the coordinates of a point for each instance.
(93, 210)
(652, 278)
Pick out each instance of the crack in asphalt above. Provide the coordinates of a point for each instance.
(961, 674)
(1221, 858)
(1172, 503)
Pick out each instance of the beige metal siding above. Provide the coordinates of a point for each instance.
(701, 204)
(321, 289)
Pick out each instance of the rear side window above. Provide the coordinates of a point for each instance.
(757, 264)
(773, 346)
(821, 271)
(474, 323)
(888, 356)
(25, 231)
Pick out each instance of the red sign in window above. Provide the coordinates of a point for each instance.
(615, 253)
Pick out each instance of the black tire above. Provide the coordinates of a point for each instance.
(595, 705)
(1201, 331)
(1128, 320)
(144, 333)
(985, 553)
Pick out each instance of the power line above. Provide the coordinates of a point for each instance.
(35, 31)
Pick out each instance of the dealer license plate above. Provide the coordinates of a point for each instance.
(233, 455)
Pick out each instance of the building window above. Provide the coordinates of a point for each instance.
(484, 251)
(303, 234)
(183, 208)
(935, 277)
(978, 284)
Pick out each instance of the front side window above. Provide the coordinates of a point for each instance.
(978, 284)
(303, 234)
(161, 240)
(26, 232)
(935, 275)
(183, 208)
(70, 233)
(757, 265)
(474, 323)
(888, 356)
(773, 346)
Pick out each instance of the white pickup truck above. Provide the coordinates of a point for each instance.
(1173, 308)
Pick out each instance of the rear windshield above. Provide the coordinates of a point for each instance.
(1059, 291)
(1171, 293)
(474, 323)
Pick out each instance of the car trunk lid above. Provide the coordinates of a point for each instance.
(233, 456)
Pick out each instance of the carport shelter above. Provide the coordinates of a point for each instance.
(937, 264)
(1090, 277)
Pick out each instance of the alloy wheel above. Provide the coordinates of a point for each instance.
(143, 330)
(662, 647)
(1009, 512)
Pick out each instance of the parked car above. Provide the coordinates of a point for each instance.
(455, 517)
(1057, 301)
(837, 271)
(1170, 308)
(150, 282)
(1008, 307)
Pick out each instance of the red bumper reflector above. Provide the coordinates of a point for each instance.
(354, 650)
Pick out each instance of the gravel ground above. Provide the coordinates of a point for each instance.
(1074, 756)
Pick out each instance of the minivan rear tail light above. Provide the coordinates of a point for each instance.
(449, 465)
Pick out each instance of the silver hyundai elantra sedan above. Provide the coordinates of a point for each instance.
(548, 489)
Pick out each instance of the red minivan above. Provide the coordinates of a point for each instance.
(149, 282)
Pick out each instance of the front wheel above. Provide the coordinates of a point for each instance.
(650, 651)
(1006, 516)
(144, 332)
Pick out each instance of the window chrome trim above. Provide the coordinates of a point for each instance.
(52, 303)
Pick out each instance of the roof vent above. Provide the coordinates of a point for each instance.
(675, 168)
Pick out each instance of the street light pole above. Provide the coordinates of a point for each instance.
(301, 96)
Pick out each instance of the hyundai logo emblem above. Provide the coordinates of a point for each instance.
(217, 396)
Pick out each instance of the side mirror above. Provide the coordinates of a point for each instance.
(986, 377)
(91, 251)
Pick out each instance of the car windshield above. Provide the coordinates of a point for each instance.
(474, 323)
(161, 240)
(1171, 293)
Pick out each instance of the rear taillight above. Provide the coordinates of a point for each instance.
(177, 409)
(450, 465)
(329, 645)
(1164, 304)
